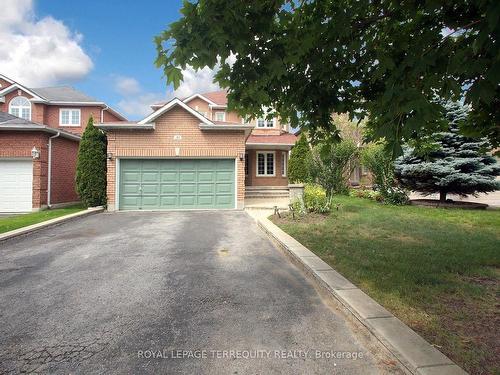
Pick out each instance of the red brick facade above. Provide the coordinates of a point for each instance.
(160, 143)
(18, 145)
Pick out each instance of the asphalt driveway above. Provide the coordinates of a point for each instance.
(176, 292)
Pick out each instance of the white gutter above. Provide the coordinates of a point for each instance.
(49, 172)
(102, 112)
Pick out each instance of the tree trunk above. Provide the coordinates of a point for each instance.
(442, 196)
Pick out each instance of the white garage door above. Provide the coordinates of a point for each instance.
(16, 180)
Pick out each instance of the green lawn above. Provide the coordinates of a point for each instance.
(435, 269)
(18, 221)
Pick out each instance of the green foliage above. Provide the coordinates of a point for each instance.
(455, 165)
(366, 194)
(298, 208)
(384, 58)
(298, 165)
(379, 162)
(91, 166)
(315, 199)
(331, 165)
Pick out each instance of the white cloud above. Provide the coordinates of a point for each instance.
(196, 81)
(39, 52)
(127, 85)
(138, 106)
(136, 101)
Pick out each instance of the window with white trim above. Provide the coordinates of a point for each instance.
(284, 162)
(20, 107)
(265, 163)
(69, 117)
(220, 116)
(265, 123)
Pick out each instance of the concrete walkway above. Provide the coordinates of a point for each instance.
(171, 292)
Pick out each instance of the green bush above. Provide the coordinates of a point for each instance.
(91, 167)
(366, 194)
(379, 162)
(315, 199)
(332, 164)
(298, 165)
(297, 207)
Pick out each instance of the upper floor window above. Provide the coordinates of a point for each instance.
(265, 123)
(20, 107)
(220, 116)
(69, 117)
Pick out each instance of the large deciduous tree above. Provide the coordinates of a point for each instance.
(449, 163)
(384, 58)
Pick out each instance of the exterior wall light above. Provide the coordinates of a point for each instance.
(241, 155)
(35, 154)
(109, 156)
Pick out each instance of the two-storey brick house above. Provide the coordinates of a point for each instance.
(40, 132)
(194, 153)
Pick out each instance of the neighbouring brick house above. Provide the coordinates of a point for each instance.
(38, 127)
(194, 153)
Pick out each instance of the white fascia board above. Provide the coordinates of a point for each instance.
(16, 85)
(76, 103)
(5, 78)
(121, 126)
(167, 107)
(188, 99)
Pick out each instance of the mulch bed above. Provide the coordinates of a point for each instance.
(449, 204)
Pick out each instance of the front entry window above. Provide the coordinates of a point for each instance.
(265, 164)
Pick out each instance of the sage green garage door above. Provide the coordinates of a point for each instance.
(176, 184)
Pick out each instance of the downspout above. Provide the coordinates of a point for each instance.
(102, 113)
(49, 173)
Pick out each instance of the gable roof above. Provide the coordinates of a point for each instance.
(57, 95)
(168, 106)
(213, 98)
(218, 97)
(64, 94)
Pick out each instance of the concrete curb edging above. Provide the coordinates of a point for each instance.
(49, 223)
(414, 353)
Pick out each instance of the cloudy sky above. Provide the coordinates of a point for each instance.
(104, 48)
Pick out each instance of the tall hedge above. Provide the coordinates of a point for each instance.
(300, 158)
(91, 166)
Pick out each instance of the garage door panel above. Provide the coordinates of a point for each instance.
(150, 189)
(129, 202)
(187, 189)
(169, 189)
(169, 201)
(187, 176)
(179, 183)
(187, 200)
(206, 176)
(131, 176)
(16, 185)
(224, 176)
(131, 188)
(171, 176)
(222, 188)
(206, 200)
(224, 200)
(150, 201)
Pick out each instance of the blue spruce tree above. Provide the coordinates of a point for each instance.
(455, 164)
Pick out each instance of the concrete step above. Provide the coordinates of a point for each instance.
(265, 188)
(267, 195)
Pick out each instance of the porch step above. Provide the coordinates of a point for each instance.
(266, 192)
